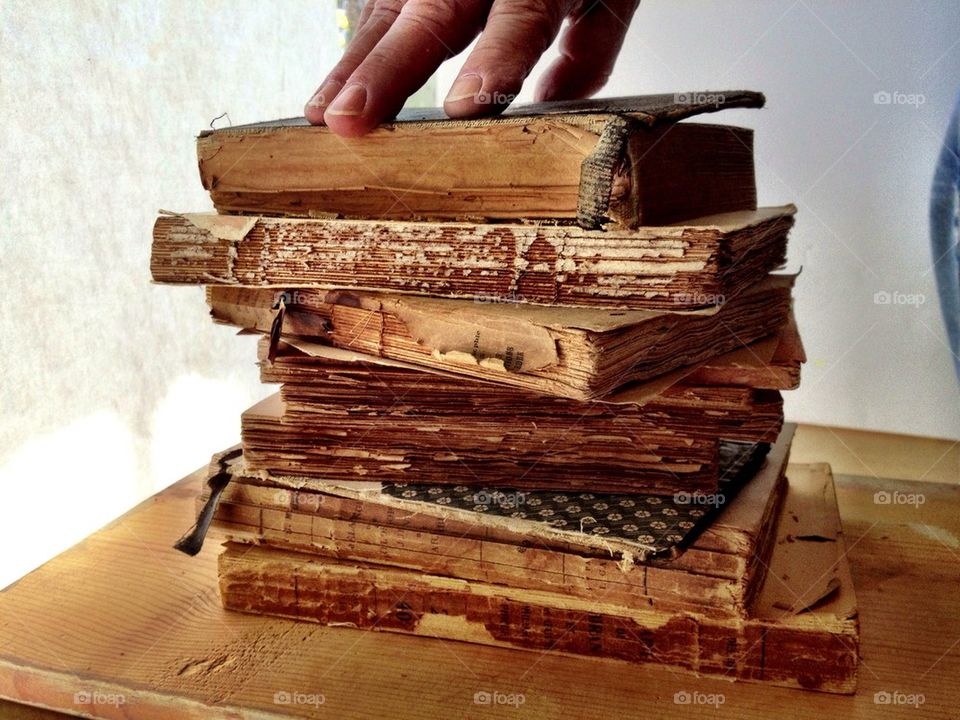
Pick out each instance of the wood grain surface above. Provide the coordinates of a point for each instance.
(125, 620)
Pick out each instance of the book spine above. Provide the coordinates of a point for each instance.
(538, 264)
(393, 465)
(582, 369)
(369, 598)
(306, 511)
(497, 563)
(288, 505)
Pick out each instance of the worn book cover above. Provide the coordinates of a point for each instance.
(495, 518)
(621, 160)
(576, 353)
(675, 267)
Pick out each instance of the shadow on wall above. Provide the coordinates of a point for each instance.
(73, 480)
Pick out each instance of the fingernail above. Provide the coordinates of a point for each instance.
(327, 92)
(466, 86)
(350, 101)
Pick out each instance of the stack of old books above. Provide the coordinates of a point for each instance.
(530, 374)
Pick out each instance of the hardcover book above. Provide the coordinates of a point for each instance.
(619, 160)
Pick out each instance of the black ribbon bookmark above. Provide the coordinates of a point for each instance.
(276, 328)
(192, 542)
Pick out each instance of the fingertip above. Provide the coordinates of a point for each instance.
(351, 114)
(566, 79)
(316, 106)
(547, 88)
(350, 125)
(542, 95)
(468, 97)
(313, 113)
(464, 108)
(461, 100)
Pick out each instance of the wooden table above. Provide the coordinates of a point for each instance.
(124, 620)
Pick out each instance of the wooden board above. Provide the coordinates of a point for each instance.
(862, 452)
(123, 613)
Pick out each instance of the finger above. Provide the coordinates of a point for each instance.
(381, 16)
(516, 35)
(425, 34)
(364, 15)
(588, 50)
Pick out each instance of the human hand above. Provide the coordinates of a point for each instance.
(400, 43)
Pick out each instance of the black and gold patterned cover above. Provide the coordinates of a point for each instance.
(665, 525)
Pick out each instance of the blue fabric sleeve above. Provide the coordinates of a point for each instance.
(943, 232)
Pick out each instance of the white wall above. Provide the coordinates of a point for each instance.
(113, 388)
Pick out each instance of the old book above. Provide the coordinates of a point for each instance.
(574, 353)
(648, 458)
(625, 161)
(712, 554)
(772, 363)
(318, 386)
(633, 537)
(673, 267)
(347, 415)
(802, 631)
